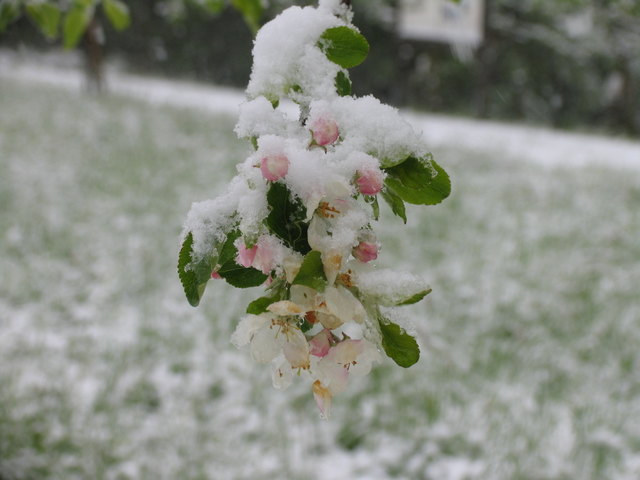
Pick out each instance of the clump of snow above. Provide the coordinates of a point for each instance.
(210, 220)
(258, 117)
(368, 125)
(287, 57)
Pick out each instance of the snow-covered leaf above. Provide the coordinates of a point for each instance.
(415, 298)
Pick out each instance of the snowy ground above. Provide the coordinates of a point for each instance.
(530, 338)
(539, 145)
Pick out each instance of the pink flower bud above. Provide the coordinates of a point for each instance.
(274, 167)
(365, 251)
(215, 275)
(369, 181)
(246, 255)
(325, 131)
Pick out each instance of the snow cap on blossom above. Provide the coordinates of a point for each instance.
(299, 216)
(274, 167)
(370, 181)
(366, 251)
(325, 131)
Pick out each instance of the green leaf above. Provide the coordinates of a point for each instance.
(117, 12)
(399, 346)
(311, 272)
(9, 13)
(75, 24)
(286, 218)
(260, 305)
(415, 298)
(228, 251)
(212, 6)
(46, 16)
(418, 181)
(396, 204)
(193, 278)
(241, 277)
(343, 84)
(344, 46)
(304, 325)
(251, 10)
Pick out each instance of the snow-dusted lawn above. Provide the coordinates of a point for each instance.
(530, 338)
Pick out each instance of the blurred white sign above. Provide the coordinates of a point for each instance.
(442, 21)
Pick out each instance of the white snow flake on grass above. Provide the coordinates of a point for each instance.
(530, 339)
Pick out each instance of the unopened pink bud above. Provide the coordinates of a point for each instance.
(366, 251)
(246, 255)
(215, 275)
(325, 131)
(274, 167)
(370, 181)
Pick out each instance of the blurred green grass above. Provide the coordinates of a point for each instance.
(530, 338)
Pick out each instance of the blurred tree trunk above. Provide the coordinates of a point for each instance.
(625, 105)
(485, 64)
(94, 56)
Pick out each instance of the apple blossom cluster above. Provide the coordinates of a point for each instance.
(298, 218)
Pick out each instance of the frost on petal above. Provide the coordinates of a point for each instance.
(296, 348)
(341, 303)
(332, 263)
(364, 361)
(328, 320)
(365, 251)
(322, 396)
(305, 297)
(246, 328)
(245, 255)
(345, 352)
(320, 343)
(271, 252)
(285, 307)
(291, 265)
(266, 343)
(334, 376)
(281, 373)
